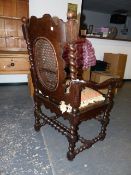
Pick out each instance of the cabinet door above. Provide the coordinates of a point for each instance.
(22, 7)
(11, 12)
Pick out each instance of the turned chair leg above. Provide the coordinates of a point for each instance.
(105, 121)
(37, 112)
(72, 142)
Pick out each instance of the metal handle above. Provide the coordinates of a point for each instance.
(12, 64)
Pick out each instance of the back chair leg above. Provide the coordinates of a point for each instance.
(37, 112)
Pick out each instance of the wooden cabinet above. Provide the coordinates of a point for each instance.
(11, 12)
(13, 49)
(14, 62)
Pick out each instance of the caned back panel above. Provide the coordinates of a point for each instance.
(46, 40)
(46, 63)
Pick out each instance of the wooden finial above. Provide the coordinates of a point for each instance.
(71, 27)
(70, 15)
(23, 19)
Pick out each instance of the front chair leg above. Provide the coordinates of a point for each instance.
(72, 142)
(37, 112)
(105, 121)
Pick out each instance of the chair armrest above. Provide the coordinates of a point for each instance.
(112, 82)
(73, 97)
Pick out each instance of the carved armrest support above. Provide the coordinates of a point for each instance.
(74, 95)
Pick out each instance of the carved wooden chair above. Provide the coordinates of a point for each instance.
(73, 99)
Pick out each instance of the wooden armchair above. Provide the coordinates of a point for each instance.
(73, 99)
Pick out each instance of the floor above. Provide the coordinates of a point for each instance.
(22, 151)
(26, 152)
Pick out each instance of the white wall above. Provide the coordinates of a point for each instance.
(102, 46)
(38, 8)
(13, 78)
(54, 7)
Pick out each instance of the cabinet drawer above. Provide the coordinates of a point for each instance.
(14, 64)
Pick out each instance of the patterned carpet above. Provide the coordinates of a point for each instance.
(22, 150)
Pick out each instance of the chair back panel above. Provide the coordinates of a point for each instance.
(45, 40)
(46, 63)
